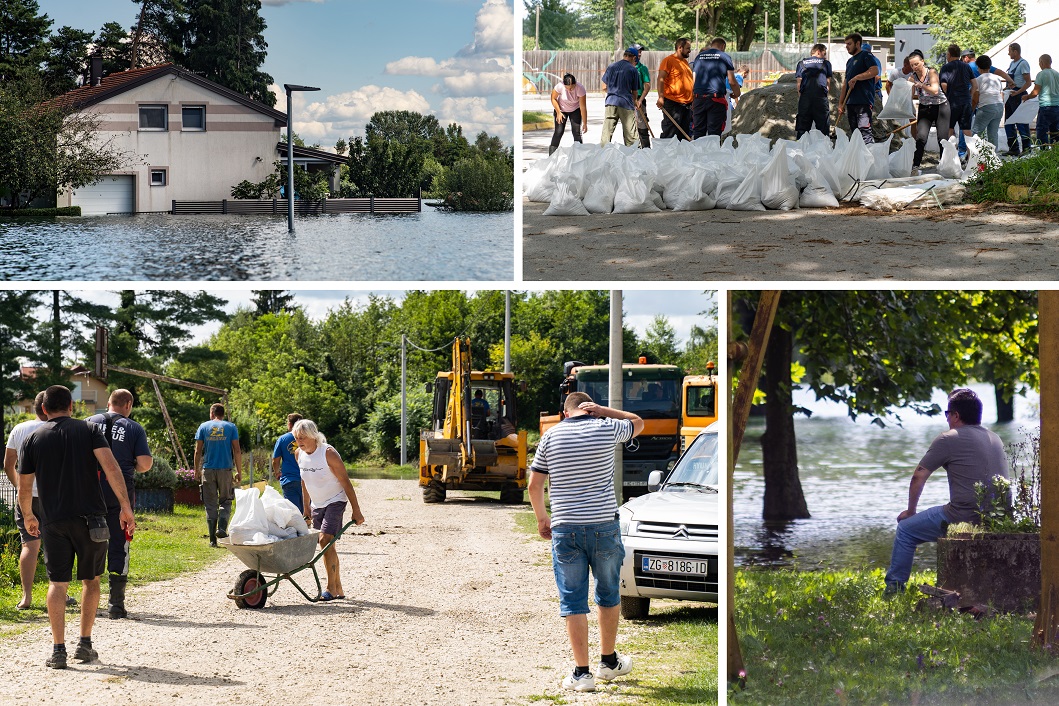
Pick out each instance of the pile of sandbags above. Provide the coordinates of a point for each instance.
(745, 173)
(264, 519)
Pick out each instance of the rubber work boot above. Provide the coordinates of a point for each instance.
(222, 527)
(117, 596)
(213, 532)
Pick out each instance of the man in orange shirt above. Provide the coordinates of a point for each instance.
(675, 90)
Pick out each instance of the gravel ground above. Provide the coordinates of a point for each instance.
(446, 604)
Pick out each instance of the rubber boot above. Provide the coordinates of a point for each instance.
(645, 139)
(117, 596)
(213, 532)
(222, 523)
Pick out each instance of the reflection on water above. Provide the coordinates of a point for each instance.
(855, 479)
(415, 246)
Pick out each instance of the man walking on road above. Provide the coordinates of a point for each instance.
(285, 466)
(128, 442)
(27, 559)
(970, 454)
(712, 67)
(622, 82)
(575, 458)
(676, 90)
(216, 452)
(63, 455)
(858, 92)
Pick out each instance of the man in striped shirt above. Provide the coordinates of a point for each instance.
(576, 460)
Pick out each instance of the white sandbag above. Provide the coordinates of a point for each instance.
(260, 538)
(947, 191)
(1025, 113)
(657, 200)
(693, 191)
(818, 193)
(726, 187)
(841, 142)
(284, 518)
(249, 518)
(565, 201)
(981, 156)
(949, 166)
(778, 190)
(853, 166)
(748, 196)
(900, 160)
(898, 105)
(633, 195)
(600, 195)
(880, 155)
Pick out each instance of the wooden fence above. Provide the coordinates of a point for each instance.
(276, 207)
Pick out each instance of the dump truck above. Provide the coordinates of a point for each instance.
(698, 405)
(473, 442)
(650, 391)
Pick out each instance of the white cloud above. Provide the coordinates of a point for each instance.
(345, 115)
(475, 115)
(476, 69)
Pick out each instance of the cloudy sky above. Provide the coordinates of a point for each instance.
(682, 308)
(451, 58)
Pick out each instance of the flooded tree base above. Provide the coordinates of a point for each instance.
(999, 570)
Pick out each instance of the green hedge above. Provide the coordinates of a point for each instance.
(40, 212)
(478, 185)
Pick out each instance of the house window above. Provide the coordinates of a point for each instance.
(154, 117)
(193, 117)
(158, 177)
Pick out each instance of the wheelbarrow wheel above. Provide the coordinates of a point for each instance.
(248, 581)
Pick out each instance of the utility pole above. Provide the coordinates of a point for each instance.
(783, 27)
(507, 331)
(619, 26)
(404, 400)
(537, 36)
(616, 383)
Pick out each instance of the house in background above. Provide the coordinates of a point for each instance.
(85, 387)
(192, 139)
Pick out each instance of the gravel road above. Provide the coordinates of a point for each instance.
(446, 604)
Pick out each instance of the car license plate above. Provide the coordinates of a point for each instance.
(665, 565)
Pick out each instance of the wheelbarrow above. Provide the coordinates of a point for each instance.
(282, 560)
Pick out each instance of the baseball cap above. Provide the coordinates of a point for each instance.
(633, 51)
(968, 52)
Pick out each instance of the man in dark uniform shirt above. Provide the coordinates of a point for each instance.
(812, 75)
(710, 106)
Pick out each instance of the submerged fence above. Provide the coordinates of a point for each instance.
(278, 207)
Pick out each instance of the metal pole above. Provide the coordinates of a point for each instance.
(619, 28)
(617, 384)
(766, 32)
(537, 36)
(783, 27)
(876, 22)
(290, 166)
(815, 40)
(404, 401)
(697, 11)
(507, 331)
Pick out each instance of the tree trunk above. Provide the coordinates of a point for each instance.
(56, 334)
(783, 489)
(1005, 408)
(1046, 628)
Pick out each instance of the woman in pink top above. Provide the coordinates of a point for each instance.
(568, 103)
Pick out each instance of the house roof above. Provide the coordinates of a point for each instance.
(310, 153)
(118, 83)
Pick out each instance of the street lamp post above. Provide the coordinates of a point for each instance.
(815, 4)
(290, 88)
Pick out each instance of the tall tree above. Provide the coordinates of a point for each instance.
(272, 301)
(23, 31)
(156, 34)
(65, 60)
(115, 47)
(660, 342)
(223, 41)
(17, 321)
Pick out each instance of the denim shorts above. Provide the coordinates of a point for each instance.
(575, 548)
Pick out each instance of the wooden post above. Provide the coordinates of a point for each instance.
(752, 356)
(1046, 629)
(178, 450)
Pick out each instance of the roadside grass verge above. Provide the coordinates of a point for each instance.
(1039, 173)
(367, 469)
(832, 637)
(533, 116)
(165, 546)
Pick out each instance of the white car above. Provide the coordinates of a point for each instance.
(670, 534)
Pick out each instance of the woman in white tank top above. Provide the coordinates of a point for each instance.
(326, 486)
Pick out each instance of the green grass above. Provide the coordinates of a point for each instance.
(831, 637)
(532, 116)
(381, 469)
(165, 546)
(1039, 172)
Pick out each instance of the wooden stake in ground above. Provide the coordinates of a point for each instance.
(752, 355)
(1046, 629)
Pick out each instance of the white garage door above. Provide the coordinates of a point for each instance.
(111, 194)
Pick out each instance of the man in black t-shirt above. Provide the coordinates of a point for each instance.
(63, 455)
(128, 442)
(812, 77)
(858, 92)
(955, 78)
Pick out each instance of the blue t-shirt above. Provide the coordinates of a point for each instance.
(957, 76)
(711, 68)
(1016, 70)
(217, 436)
(127, 441)
(480, 404)
(284, 449)
(623, 81)
(814, 72)
(863, 92)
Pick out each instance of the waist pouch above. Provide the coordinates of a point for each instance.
(97, 528)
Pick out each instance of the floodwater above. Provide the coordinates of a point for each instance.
(855, 478)
(430, 245)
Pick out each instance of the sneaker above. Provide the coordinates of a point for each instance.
(585, 682)
(893, 588)
(56, 661)
(116, 613)
(85, 654)
(917, 172)
(607, 673)
(71, 601)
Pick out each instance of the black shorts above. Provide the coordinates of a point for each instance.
(66, 539)
(20, 521)
(960, 114)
